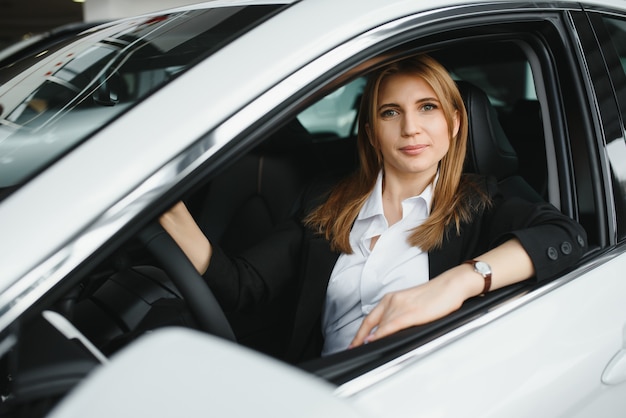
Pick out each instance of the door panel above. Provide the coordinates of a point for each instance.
(545, 358)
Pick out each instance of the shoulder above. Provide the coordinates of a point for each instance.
(478, 183)
(477, 192)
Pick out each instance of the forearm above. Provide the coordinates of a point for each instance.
(553, 241)
(509, 262)
(445, 293)
(181, 226)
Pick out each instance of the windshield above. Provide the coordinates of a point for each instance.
(53, 100)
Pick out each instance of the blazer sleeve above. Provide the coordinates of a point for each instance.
(553, 240)
(259, 274)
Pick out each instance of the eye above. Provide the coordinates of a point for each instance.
(427, 107)
(388, 113)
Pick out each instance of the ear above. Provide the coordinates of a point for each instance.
(457, 123)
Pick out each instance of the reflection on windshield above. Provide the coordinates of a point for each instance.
(67, 93)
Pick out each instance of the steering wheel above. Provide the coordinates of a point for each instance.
(196, 293)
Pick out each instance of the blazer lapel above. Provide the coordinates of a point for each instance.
(318, 264)
(449, 255)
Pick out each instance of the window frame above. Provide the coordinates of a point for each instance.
(611, 77)
(345, 367)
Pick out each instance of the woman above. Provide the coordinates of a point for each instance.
(406, 239)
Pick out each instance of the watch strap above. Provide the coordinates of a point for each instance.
(486, 276)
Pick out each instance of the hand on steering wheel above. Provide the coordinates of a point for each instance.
(196, 293)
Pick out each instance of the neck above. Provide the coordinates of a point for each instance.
(400, 187)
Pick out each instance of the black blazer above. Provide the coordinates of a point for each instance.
(294, 254)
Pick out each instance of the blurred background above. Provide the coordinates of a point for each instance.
(21, 19)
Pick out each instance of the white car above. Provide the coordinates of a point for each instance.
(234, 106)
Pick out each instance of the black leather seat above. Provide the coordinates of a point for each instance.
(524, 127)
(489, 151)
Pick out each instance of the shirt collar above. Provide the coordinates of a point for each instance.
(373, 206)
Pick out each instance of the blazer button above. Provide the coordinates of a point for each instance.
(553, 253)
(581, 241)
(566, 248)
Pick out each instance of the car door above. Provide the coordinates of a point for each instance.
(557, 350)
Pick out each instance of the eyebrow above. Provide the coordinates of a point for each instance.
(425, 99)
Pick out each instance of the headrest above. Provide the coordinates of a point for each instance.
(489, 151)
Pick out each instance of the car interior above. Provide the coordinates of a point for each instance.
(130, 292)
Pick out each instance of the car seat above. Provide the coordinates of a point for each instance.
(489, 151)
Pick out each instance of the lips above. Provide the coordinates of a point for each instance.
(413, 149)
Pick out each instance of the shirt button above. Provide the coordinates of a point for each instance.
(552, 253)
(566, 248)
(366, 309)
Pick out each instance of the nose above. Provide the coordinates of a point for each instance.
(410, 124)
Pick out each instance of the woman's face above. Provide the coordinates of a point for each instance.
(411, 129)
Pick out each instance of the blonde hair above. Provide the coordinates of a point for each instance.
(451, 203)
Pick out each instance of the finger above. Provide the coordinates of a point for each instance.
(171, 216)
(368, 324)
(386, 328)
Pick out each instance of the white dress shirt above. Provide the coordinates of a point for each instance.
(360, 280)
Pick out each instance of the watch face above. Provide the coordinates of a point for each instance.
(482, 267)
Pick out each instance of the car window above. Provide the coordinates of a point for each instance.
(71, 92)
(336, 113)
(616, 147)
(500, 69)
(506, 79)
(617, 29)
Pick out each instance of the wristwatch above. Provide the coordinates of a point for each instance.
(484, 270)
